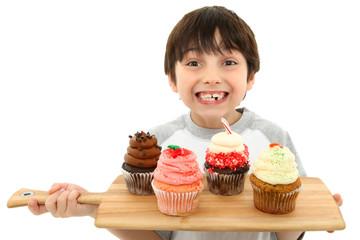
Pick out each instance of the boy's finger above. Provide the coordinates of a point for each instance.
(62, 203)
(338, 199)
(35, 208)
(56, 187)
(51, 201)
(72, 200)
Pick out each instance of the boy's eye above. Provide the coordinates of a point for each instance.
(228, 63)
(193, 64)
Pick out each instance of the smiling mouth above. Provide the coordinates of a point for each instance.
(211, 96)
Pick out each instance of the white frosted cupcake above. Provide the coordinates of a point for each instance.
(226, 163)
(275, 180)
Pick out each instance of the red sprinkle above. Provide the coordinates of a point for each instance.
(275, 144)
(174, 153)
(231, 160)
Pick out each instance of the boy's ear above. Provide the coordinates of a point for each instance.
(172, 84)
(250, 82)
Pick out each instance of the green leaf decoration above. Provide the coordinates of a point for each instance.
(173, 147)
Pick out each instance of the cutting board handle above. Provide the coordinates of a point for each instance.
(22, 197)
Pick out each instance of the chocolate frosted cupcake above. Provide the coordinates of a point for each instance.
(226, 163)
(140, 162)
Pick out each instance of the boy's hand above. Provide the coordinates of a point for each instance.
(62, 202)
(339, 202)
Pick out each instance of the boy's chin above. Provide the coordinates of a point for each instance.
(210, 114)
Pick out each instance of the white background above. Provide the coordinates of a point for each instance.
(77, 77)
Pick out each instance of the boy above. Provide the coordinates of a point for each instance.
(211, 60)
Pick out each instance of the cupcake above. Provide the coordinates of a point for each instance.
(275, 180)
(226, 163)
(177, 181)
(140, 162)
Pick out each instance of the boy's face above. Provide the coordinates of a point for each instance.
(212, 85)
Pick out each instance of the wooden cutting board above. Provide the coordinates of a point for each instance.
(316, 210)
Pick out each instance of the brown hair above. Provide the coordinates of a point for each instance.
(197, 29)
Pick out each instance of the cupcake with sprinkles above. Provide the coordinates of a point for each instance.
(275, 180)
(140, 162)
(226, 162)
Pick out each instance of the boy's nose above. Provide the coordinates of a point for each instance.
(211, 77)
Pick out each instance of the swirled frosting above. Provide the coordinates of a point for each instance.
(224, 142)
(177, 167)
(276, 165)
(143, 151)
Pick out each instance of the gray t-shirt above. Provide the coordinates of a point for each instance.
(257, 133)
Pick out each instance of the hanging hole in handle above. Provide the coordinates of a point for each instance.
(27, 194)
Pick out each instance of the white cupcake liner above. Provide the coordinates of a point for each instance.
(139, 183)
(225, 184)
(177, 204)
(273, 202)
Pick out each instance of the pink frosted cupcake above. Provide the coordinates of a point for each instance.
(177, 181)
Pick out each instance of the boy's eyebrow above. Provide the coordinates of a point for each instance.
(199, 51)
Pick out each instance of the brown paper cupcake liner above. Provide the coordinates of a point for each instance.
(139, 183)
(225, 184)
(275, 203)
(177, 204)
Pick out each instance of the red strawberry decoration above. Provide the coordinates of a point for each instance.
(175, 151)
